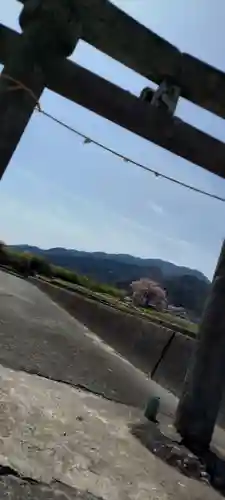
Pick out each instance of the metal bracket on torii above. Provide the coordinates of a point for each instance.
(165, 97)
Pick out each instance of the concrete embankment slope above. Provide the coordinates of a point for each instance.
(38, 336)
(138, 340)
(135, 338)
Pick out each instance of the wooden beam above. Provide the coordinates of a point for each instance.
(203, 84)
(16, 107)
(150, 55)
(134, 45)
(203, 389)
(8, 41)
(115, 104)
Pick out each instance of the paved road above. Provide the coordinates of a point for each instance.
(39, 337)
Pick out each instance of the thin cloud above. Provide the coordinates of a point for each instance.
(158, 209)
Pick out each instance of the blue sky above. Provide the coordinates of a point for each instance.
(58, 192)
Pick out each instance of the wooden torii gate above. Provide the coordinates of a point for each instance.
(37, 59)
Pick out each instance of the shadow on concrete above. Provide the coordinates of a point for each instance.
(208, 467)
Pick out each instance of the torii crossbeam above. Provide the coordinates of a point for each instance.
(148, 54)
(115, 104)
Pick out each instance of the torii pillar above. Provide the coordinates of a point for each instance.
(203, 388)
(51, 30)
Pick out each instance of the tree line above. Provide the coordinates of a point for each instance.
(186, 290)
(27, 264)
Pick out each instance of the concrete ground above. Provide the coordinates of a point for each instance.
(58, 441)
(69, 441)
(37, 336)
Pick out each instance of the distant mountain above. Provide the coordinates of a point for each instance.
(111, 267)
(186, 287)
